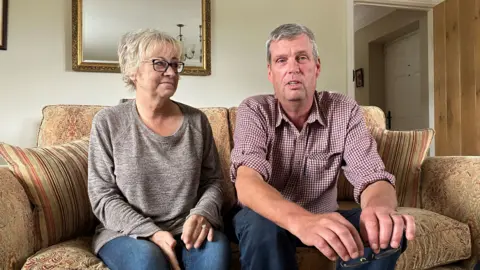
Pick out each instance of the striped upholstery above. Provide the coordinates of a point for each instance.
(55, 179)
(403, 153)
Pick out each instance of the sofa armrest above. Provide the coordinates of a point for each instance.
(16, 222)
(451, 186)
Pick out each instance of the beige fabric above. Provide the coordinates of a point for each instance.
(448, 267)
(73, 254)
(218, 118)
(451, 187)
(374, 116)
(16, 222)
(439, 240)
(65, 123)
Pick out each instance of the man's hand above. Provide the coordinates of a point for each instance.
(331, 234)
(167, 244)
(381, 226)
(195, 230)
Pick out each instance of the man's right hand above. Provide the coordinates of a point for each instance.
(167, 244)
(331, 234)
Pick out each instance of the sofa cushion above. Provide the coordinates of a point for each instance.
(218, 118)
(55, 180)
(439, 240)
(73, 254)
(65, 123)
(403, 153)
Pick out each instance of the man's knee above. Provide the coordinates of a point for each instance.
(250, 225)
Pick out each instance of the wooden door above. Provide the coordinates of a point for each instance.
(402, 82)
(457, 77)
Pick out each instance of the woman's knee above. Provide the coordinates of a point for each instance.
(127, 252)
(213, 255)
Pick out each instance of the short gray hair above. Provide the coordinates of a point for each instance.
(135, 45)
(290, 31)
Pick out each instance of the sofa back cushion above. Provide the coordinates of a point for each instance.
(218, 118)
(65, 123)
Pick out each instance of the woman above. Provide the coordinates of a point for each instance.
(154, 178)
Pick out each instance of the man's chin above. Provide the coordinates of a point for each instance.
(295, 97)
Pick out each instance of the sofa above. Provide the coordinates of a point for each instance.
(444, 199)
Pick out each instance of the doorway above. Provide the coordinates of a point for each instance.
(385, 84)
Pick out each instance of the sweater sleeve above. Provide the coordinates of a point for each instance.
(107, 201)
(211, 188)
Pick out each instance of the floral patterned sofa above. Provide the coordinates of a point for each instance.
(46, 222)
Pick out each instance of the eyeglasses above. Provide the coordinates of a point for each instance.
(367, 259)
(162, 65)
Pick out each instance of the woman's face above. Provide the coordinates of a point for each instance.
(158, 73)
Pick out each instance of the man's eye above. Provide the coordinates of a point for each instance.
(281, 60)
(302, 58)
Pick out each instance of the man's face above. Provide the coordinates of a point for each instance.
(293, 70)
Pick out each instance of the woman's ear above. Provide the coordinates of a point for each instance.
(133, 77)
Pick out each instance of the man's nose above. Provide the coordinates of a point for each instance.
(293, 66)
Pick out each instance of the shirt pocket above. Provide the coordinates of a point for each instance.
(321, 169)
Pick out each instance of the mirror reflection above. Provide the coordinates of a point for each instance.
(100, 24)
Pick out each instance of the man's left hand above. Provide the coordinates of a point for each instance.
(381, 226)
(195, 230)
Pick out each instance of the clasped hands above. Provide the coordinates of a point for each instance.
(195, 230)
(334, 236)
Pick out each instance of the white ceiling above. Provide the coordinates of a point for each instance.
(365, 15)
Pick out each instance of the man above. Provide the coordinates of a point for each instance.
(289, 149)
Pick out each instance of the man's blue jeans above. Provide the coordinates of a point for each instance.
(130, 253)
(264, 245)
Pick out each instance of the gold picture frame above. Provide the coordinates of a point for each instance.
(79, 64)
(3, 24)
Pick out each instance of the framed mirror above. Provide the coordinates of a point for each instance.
(98, 25)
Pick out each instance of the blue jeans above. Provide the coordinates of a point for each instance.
(130, 253)
(264, 245)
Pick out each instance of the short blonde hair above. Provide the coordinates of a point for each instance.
(135, 45)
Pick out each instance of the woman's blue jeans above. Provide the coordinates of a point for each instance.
(130, 253)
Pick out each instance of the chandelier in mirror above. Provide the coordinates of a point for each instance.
(189, 49)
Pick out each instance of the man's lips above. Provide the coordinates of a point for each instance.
(293, 83)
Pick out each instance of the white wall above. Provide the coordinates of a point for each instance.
(365, 15)
(36, 68)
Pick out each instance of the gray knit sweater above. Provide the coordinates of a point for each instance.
(140, 182)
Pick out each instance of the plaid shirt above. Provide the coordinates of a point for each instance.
(304, 165)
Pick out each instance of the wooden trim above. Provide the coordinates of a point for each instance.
(350, 50)
(3, 40)
(412, 4)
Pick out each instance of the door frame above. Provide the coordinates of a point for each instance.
(426, 5)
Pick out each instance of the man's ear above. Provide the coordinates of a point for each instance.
(319, 66)
(269, 69)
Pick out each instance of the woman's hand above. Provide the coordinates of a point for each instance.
(195, 230)
(167, 244)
